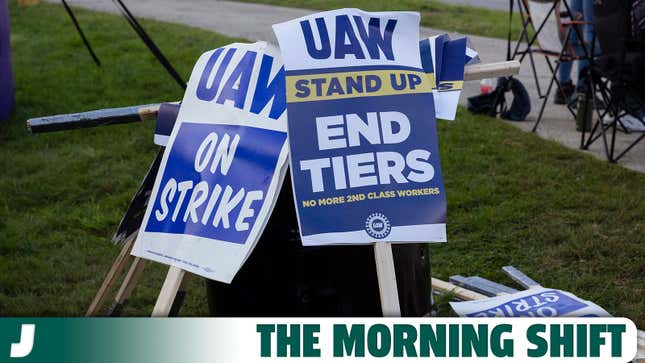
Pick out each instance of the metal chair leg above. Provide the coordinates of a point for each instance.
(546, 97)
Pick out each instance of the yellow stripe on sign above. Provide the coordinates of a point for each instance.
(341, 85)
(450, 86)
(433, 80)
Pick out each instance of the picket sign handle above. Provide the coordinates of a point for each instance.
(387, 279)
(130, 281)
(458, 291)
(110, 279)
(491, 70)
(171, 285)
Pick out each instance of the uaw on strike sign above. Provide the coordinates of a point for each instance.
(223, 166)
(362, 133)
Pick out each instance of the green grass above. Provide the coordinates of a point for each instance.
(570, 221)
(455, 18)
(62, 194)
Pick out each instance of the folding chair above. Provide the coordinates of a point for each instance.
(618, 76)
(548, 28)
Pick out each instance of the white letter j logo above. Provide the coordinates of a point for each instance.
(23, 348)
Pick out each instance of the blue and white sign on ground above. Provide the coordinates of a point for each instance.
(536, 302)
(362, 132)
(224, 164)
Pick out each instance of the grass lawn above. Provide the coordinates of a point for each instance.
(568, 220)
(455, 18)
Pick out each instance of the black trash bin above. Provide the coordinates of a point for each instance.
(282, 278)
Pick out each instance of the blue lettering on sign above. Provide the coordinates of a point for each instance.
(374, 40)
(236, 86)
(545, 304)
(346, 42)
(205, 189)
(345, 31)
(241, 76)
(325, 49)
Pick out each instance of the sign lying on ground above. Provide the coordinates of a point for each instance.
(537, 302)
(223, 166)
(362, 131)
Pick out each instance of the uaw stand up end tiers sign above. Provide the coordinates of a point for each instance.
(362, 133)
(222, 168)
(362, 140)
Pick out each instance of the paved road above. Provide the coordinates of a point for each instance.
(253, 22)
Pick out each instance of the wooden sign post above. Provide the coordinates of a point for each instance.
(175, 280)
(387, 279)
(110, 279)
(127, 286)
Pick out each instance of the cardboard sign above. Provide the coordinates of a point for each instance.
(166, 118)
(223, 166)
(444, 60)
(536, 302)
(363, 142)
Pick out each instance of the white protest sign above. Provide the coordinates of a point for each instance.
(223, 166)
(444, 60)
(364, 153)
(535, 302)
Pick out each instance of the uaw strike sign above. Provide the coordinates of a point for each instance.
(536, 303)
(223, 166)
(364, 156)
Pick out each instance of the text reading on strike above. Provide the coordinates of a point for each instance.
(205, 203)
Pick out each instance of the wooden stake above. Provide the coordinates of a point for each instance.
(491, 70)
(481, 285)
(460, 292)
(180, 297)
(171, 285)
(387, 279)
(104, 117)
(116, 269)
(127, 286)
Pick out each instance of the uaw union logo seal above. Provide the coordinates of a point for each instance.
(377, 225)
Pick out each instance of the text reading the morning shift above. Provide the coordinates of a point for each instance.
(442, 340)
